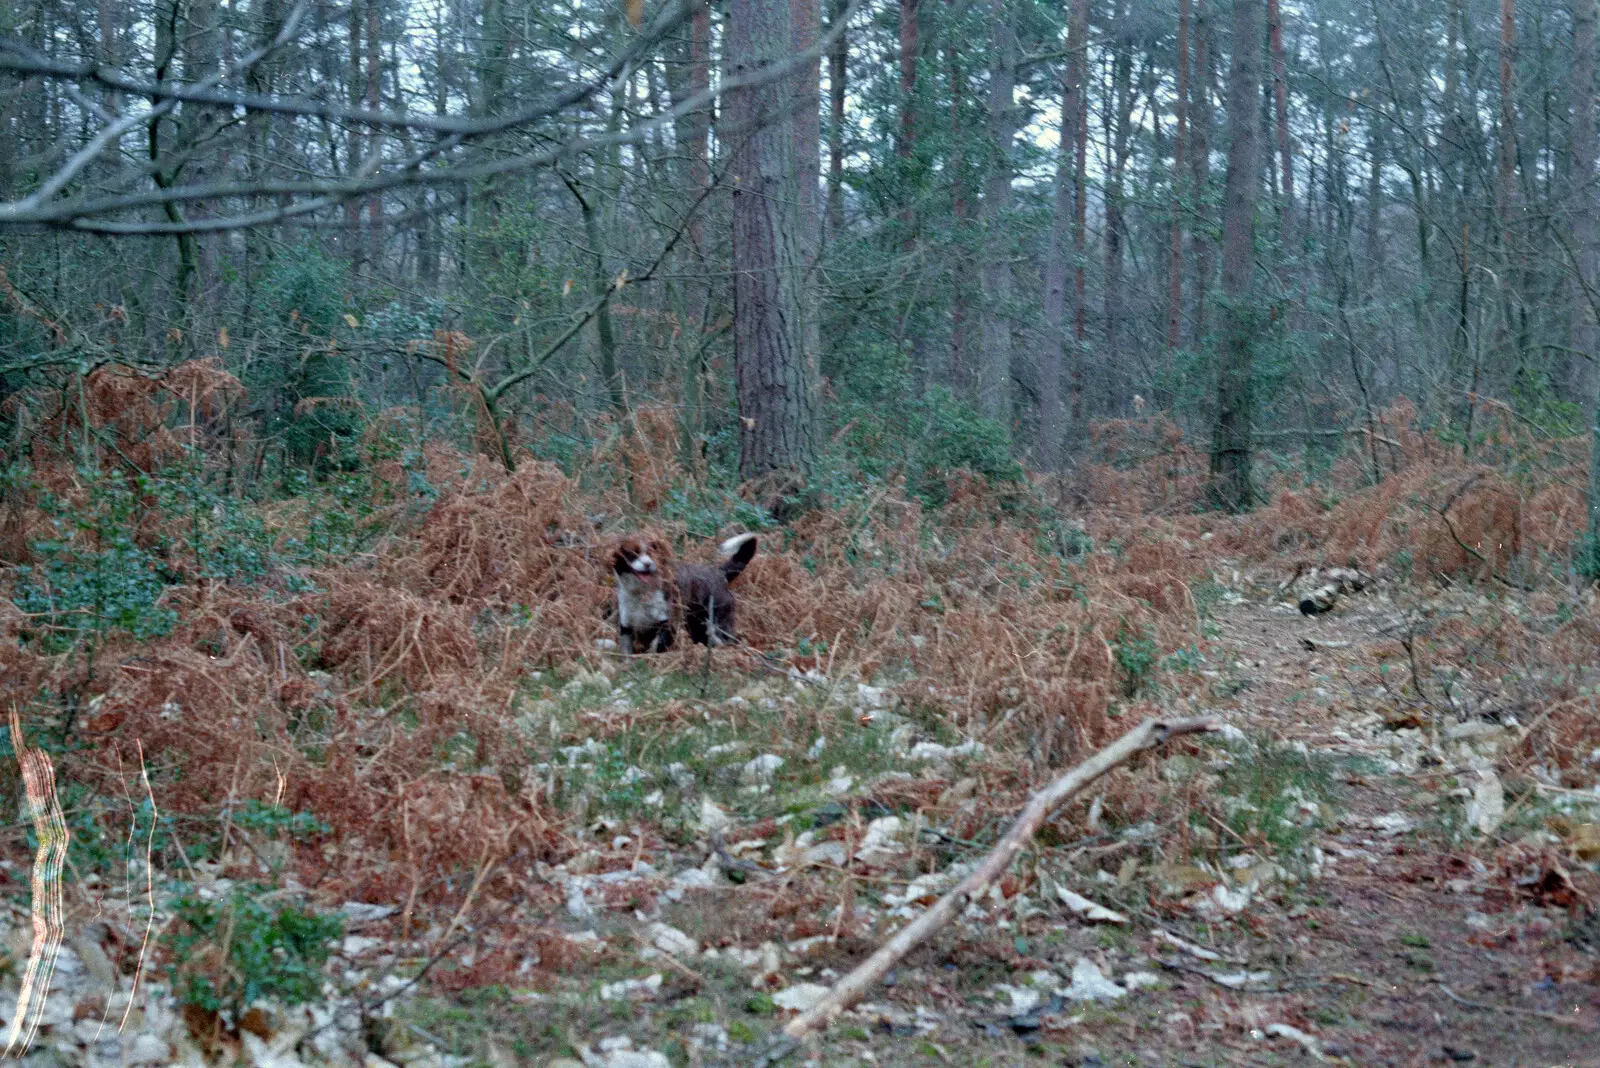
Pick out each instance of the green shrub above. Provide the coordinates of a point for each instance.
(226, 955)
(92, 578)
(1136, 653)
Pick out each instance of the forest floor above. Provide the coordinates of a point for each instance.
(1407, 939)
(359, 778)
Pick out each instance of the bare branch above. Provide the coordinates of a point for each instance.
(84, 156)
(848, 990)
(23, 60)
(87, 215)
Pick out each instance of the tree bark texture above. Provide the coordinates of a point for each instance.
(994, 368)
(838, 75)
(1231, 439)
(806, 87)
(1180, 137)
(775, 401)
(1585, 332)
(1202, 83)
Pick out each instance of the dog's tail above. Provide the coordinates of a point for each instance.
(739, 550)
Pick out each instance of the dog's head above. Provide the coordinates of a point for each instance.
(642, 555)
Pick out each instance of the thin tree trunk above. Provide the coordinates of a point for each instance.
(1179, 143)
(1507, 142)
(1078, 29)
(994, 369)
(1055, 272)
(1585, 332)
(686, 78)
(776, 442)
(374, 77)
(1280, 108)
(1122, 97)
(837, 84)
(1231, 441)
(1200, 121)
(906, 146)
(960, 371)
(806, 87)
(357, 82)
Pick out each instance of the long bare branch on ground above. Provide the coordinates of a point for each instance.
(849, 990)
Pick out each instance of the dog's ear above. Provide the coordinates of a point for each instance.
(626, 552)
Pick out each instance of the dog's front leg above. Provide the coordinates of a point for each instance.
(625, 640)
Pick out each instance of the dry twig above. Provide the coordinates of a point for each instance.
(848, 990)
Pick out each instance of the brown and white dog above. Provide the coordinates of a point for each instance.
(654, 598)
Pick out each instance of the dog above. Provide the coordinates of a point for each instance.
(654, 598)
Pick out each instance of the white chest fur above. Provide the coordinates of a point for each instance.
(640, 604)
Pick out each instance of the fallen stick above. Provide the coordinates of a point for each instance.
(849, 990)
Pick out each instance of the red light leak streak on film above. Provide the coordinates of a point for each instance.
(50, 827)
(150, 886)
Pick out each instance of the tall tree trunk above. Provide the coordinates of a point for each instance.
(1062, 218)
(354, 88)
(374, 81)
(1585, 332)
(1122, 101)
(1280, 110)
(202, 41)
(688, 75)
(994, 368)
(776, 436)
(1078, 28)
(838, 57)
(1180, 137)
(1231, 440)
(805, 27)
(1505, 189)
(906, 146)
(166, 50)
(960, 371)
(1202, 83)
(601, 285)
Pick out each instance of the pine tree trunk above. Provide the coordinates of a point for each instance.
(994, 369)
(776, 441)
(1505, 189)
(1585, 333)
(837, 84)
(1202, 84)
(1078, 28)
(374, 85)
(1122, 98)
(1280, 111)
(1180, 137)
(806, 87)
(352, 207)
(906, 146)
(1056, 342)
(1231, 440)
(960, 370)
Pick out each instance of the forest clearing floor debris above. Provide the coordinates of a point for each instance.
(1400, 942)
(1354, 915)
(398, 801)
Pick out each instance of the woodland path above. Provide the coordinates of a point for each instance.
(1416, 950)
